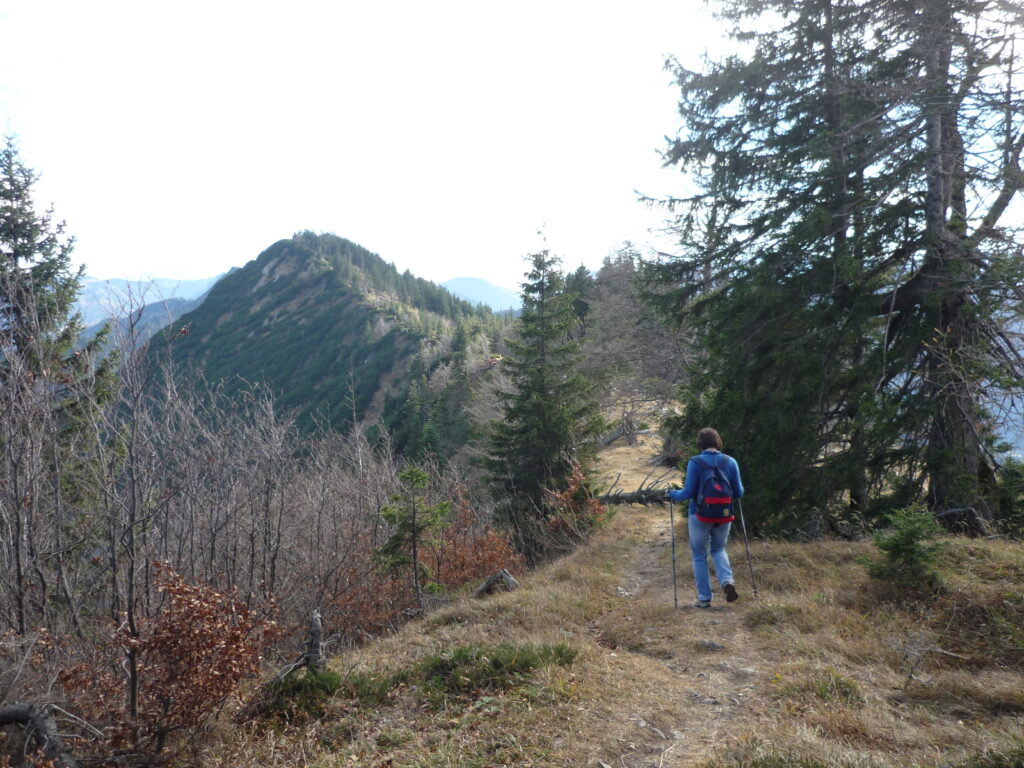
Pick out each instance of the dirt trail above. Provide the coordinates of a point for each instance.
(709, 668)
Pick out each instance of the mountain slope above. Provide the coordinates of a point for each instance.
(328, 326)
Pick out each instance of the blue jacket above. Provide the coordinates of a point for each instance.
(691, 488)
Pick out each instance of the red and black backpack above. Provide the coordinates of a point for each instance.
(714, 493)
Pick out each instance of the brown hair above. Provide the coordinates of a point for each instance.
(709, 438)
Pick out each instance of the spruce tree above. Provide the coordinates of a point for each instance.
(48, 389)
(551, 417)
(844, 261)
(412, 520)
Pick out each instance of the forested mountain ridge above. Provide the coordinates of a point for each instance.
(329, 327)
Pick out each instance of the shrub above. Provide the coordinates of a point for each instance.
(909, 551)
(191, 659)
(574, 512)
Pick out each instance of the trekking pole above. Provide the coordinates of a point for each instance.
(672, 536)
(746, 544)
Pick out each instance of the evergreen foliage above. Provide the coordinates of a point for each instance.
(38, 288)
(329, 327)
(910, 550)
(844, 263)
(551, 418)
(1010, 498)
(580, 285)
(430, 416)
(49, 391)
(411, 518)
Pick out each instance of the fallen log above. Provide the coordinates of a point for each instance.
(41, 731)
(644, 496)
(966, 520)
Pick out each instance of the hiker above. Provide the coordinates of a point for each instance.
(710, 516)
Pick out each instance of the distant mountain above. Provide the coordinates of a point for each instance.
(478, 291)
(144, 322)
(332, 329)
(100, 300)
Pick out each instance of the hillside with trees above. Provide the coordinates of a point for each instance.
(334, 332)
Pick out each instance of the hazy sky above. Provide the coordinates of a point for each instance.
(180, 139)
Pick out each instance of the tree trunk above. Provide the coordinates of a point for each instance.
(955, 452)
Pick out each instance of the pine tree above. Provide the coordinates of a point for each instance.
(581, 285)
(47, 390)
(412, 519)
(551, 418)
(842, 262)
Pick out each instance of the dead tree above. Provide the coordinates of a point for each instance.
(313, 656)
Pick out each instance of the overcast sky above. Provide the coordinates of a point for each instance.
(180, 139)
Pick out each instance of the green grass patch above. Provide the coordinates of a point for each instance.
(309, 695)
(466, 671)
(833, 687)
(299, 696)
(472, 669)
(770, 761)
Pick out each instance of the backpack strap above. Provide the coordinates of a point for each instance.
(704, 467)
(699, 458)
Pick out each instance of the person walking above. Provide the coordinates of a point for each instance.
(706, 534)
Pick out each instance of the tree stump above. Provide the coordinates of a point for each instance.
(314, 655)
(502, 579)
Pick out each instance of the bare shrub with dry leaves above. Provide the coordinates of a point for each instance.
(192, 658)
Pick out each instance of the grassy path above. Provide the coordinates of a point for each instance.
(704, 664)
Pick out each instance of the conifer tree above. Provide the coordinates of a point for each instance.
(551, 418)
(845, 260)
(412, 519)
(47, 389)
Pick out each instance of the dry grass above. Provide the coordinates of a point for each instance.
(825, 670)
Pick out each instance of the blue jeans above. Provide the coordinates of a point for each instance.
(703, 535)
